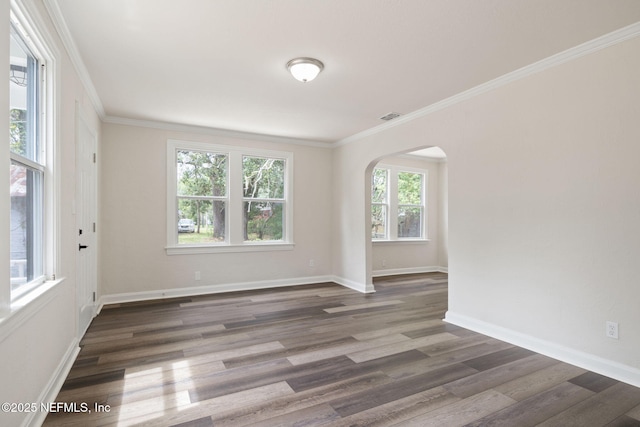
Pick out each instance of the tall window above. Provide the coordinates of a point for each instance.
(263, 198)
(202, 196)
(379, 203)
(410, 204)
(397, 204)
(27, 167)
(223, 198)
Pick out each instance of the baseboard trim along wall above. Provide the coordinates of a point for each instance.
(411, 270)
(248, 286)
(360, 287)
(50, 392)
(215, 289)
(609, 368)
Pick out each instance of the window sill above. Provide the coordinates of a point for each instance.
(25, 307)
(401, 241)
(252, 247)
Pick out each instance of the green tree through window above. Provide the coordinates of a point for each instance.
(202, 190)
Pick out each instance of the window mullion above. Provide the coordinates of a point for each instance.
(18, 159)
(235, 209)
(392, 207)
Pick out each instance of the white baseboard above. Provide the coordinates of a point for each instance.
(411, 270)
(360, 287)
(209, 289)
(606, 367)
(54, 385)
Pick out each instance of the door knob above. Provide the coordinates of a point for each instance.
(81, 247)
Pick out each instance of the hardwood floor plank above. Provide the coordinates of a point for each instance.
(399, 347)
(405, 329)
(399, 410)
(462, 412)
(200, 422)
(352, 307)
(175, 412)
(91, 380)
(634, 413)
(537, 382)
(538, 408)
(400, 389)
(490, 378)
(323, 355)
(600, 409)
(440, 361)
(593, 381)
(334, 373)
(624, 421)
(344, 349)
(251, 415)
(318, 415)
(498, 358)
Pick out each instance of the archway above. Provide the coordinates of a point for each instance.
(407, 213)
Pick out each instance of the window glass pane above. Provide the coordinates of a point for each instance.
(409, 221)
(263, 178)
(379, 186)
(409, 188)
(201, 174)
(263, 221)
(23, 108)
(378, 221)
(201, 221)
(26, 225)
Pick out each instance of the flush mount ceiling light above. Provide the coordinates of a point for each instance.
(304, 69)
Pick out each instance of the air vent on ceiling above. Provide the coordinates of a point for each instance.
(390, 116)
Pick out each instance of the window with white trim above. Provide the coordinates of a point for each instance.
(227, 198)
(398, 203)
(379, 203)
(32, 227)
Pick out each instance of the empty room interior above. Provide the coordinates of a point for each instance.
(298, 212)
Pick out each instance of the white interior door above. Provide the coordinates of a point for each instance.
(86, 208)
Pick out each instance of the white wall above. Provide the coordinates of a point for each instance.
(38, 342)
(401, 257)
(543, 207)
(133, 199)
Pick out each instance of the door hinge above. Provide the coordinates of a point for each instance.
(94, 157)
(94, 227)
(94, 297)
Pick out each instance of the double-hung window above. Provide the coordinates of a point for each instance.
(201, 180)
(410, 212)
(379, 203)
(226, 198)
(32, 228)
(27, 167)
(398, 204)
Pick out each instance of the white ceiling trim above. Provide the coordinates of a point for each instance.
(176, 127)
(583, 49)
(69, 44)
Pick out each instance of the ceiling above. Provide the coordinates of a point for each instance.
(221, 63)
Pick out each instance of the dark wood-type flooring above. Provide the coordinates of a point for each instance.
(324, 355)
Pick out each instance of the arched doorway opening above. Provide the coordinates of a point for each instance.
(407, 208)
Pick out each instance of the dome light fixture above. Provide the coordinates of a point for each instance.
(304, 69)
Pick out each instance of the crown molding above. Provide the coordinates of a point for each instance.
(602, 42)
(203, 130)
(607, 40)
(70, 46)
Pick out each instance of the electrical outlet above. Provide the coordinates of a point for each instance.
(312, 263)
(384, 262)
(197, 275)
(612, 329)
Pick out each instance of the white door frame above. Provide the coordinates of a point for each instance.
(86, 208)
